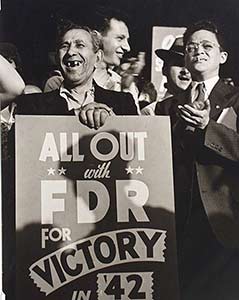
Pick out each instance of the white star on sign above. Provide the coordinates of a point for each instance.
(62, 171)
(129, 170)
(139, 170)
(51, 171)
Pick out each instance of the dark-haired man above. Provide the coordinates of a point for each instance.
(79, 51)
(115, 39)
(206, 170)
(115, 43)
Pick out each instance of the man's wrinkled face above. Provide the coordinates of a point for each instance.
(76, 57)
(115, 42)
(203, 55)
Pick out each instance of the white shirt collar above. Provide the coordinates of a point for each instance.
(74, 100)
(209, 84)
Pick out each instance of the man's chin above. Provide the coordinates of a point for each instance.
(115, 62)
(184, 86)
(71, 82)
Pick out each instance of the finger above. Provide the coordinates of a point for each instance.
(189, 120)
(103, 106)
(141, 54)
(94, 105)
(90, 118)
(111, 113)
(96, 117)
(194, 119)
(185, 111)
(103, 116)
(82, 116)
(132, 59)
(207, 105)
(193, 110)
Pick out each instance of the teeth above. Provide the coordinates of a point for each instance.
(73, 63)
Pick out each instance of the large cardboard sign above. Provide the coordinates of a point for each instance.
(95, 210)
(162, 38)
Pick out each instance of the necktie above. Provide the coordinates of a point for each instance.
(198, 103)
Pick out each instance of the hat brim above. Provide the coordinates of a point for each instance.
(169, 55)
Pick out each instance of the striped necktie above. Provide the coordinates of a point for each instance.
(199, 92)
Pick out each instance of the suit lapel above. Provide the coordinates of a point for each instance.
(59, 104)
(180, 99)
(101, 95)
(219, 99)
(185, 97)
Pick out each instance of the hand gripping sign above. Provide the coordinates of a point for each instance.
(94, 209)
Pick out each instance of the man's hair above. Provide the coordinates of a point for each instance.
(104, 16)
(63, 28)
(204, 25)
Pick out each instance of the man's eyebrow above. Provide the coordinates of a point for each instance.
(121, 34)
(75, 41)
(204, 40)
(64, 42)
(79, 41)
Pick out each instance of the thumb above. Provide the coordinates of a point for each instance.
(207, 105)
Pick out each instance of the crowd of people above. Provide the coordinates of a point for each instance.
(93, 81)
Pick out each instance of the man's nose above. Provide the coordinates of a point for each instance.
(184, 71)
(72, 49)
(199, 49)
(125, 45)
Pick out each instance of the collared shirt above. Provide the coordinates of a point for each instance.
(107, 78)
(73, 100)
(209, 85)
(76, 101)
(113, 82)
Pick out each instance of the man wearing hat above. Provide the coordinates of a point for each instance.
(178, 77)
(205, 131)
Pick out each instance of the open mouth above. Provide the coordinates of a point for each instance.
(120, 54)
(199, 59)
(73, 63)
(184, 78)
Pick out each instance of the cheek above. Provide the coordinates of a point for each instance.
(109, 47)
(91, 62)
(187, 61)
(60, 56)
(174, 75)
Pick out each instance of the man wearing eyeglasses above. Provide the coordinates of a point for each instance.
(206, 171)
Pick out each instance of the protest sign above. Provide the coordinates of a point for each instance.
(94, 209)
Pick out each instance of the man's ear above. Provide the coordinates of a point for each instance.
(99, 57)
(223, 57)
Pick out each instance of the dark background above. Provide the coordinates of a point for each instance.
(31, 26)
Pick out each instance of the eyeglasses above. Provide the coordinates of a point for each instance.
(206, 45)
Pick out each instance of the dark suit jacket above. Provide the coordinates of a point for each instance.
(53, 104)
(216, 159)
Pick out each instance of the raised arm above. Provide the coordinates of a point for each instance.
(11, 83)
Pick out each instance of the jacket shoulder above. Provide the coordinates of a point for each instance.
(122, 103)
(165, 107)
(37, 103)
